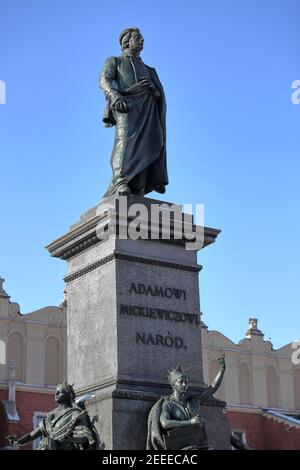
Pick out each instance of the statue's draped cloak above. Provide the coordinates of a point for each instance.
(139, 153)
(155, 433)
(56, 425)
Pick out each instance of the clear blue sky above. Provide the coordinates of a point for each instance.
(233, 142)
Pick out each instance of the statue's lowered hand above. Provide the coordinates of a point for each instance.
(120, 106)
(18, 442)
(13, 440)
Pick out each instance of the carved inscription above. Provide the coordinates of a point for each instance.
(168, 341)
(157, 291)
(159, 314)
(163, 292)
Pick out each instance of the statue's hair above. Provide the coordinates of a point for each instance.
(126, 35)
(174, 374)
(68, 389)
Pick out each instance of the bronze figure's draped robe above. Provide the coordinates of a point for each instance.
(58, 426)
(139, 153)
(67, 427)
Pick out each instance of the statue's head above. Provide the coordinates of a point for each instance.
(65, 393)
(178, 379)
(132, 39)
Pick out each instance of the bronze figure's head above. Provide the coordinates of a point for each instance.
(178, 379)
(132, 39)
(65, 393)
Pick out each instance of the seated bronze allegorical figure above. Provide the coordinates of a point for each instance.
(67, 427)
(174, 423)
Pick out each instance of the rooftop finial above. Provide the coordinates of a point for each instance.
(2, 291)
(253, 330)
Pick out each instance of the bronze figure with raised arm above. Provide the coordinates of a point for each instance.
(175, 423)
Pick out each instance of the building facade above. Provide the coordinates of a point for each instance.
(32, 361)
(261, 385)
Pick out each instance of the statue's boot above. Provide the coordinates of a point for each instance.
(123, 190)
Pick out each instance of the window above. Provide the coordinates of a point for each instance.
(2, 352)
(244, 384)
(297, 389)
(272, 387)
(15, 352)
(52, 362)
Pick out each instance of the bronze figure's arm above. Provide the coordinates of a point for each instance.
(113, 96)
(23, 440)
(167, 423)
(209, 391)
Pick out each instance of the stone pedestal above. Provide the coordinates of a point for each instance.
(133, 314)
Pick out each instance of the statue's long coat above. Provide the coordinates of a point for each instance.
(139, 153)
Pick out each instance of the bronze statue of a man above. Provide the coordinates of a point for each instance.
(67, 427)
(174, 423)
(136, 106)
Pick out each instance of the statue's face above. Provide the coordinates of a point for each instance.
(136, 42)
(61, 395)
(181, 384)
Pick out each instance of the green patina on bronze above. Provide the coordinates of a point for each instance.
(67, 427)
(136, 106)
(173, 422)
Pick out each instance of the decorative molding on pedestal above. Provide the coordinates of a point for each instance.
(129, 257)
(83, 234)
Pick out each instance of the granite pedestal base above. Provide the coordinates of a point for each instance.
(133, 314)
